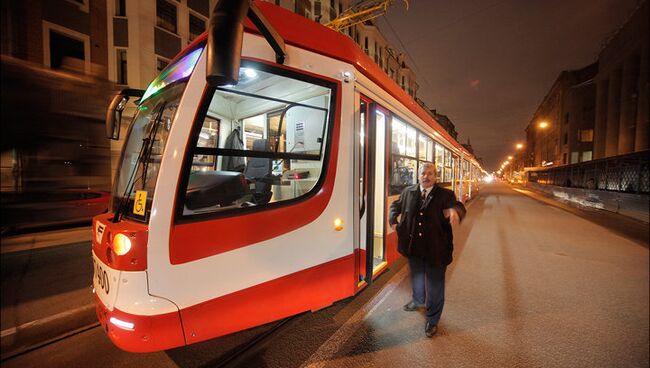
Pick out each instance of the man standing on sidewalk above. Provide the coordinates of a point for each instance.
(425, 237)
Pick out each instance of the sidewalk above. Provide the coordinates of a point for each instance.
(628, 227)
(46, 288)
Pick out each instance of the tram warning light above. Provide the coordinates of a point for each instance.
(338, 224)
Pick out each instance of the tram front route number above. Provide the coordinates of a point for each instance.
(101, 277)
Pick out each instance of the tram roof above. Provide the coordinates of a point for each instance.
(299, 31)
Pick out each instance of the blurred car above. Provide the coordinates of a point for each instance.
(46, 210)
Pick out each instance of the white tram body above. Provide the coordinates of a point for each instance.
(174, 265)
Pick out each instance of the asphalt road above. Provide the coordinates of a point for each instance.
(531, 286)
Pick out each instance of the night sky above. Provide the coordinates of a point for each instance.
(488, 64)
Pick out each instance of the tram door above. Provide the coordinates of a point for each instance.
(370, 164)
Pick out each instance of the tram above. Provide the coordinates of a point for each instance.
(254, 181)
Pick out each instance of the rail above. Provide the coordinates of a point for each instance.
(625, 173)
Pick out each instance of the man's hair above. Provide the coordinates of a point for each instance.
(424, 165)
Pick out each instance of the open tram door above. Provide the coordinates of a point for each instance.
(370, 174)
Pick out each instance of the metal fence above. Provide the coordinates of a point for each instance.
(626, 173)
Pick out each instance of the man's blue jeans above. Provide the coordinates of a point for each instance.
(428, 284)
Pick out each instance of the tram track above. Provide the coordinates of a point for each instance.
(240, 353)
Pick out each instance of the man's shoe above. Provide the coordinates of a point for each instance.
(411, 306)
(430, 329)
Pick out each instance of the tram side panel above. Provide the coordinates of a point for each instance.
(301, 262)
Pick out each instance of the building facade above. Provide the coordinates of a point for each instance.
(145, 35)
(54, 95)
(600, 110)
(367, 35)
(60, 34)
(622, 118)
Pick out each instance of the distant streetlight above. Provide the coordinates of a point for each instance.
(509, 157)
(543, 125)
(519, 146)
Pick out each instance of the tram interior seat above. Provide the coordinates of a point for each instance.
(258, 171)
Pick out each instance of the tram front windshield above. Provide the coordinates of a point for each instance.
(145, 143)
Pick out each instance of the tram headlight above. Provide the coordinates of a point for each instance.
(121, 244)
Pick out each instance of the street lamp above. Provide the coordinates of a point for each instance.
(542, 125)
(519, 146)
(509, 158)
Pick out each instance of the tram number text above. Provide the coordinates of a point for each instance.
(102, 277)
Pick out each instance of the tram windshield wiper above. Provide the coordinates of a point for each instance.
(144, 157)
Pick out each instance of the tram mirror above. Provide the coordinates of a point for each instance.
(225, 37)
(114, 116)
(115, 109)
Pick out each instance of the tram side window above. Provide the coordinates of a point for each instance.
(404, 163)
(448, 167)
(262, 141)
(440, 161)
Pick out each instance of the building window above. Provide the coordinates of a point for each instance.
(566, 138)
(574, 157)
(66, 52)
(197, 26)
(161, 64)
(586, 135)
(120, 8)
(332, 10)
(566, 118)
(564, 158)
(166, 15)
(317, 10)
(365, 45)
(404, 163)
(83, 4)
(303, 7)
(121, 67)
(586, 156)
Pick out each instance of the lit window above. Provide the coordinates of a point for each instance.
(586, 135)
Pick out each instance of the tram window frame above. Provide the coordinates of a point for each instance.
(324, 153)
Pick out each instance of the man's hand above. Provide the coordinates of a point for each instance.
(452, 215)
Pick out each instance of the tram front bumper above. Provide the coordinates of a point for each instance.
(139, 333)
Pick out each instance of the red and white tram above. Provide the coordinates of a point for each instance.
(255, 179)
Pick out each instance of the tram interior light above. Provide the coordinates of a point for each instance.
(247, 74)
(121, 244)
(122, 324)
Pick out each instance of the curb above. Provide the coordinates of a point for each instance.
(17, 243)
(31, 335)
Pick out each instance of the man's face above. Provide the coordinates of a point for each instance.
(427, 176)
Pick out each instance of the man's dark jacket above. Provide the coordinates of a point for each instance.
(437, 234)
